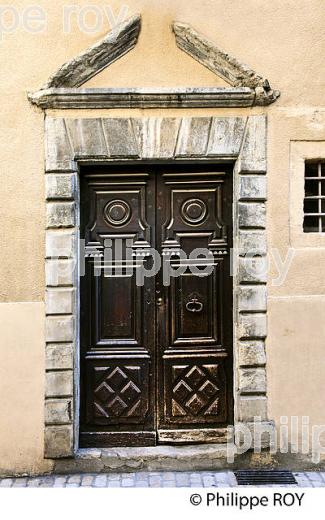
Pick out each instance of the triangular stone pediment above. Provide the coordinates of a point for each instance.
(63, 89)
(219, 62)
(77, 71)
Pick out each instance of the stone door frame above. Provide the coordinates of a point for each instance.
(73, 142)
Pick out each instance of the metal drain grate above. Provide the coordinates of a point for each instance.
(255, 477)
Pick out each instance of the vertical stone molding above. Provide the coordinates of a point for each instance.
(71, 141)
(250, 284)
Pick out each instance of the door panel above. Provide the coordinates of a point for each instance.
(117, 343)
(118, 390)
(194, 322)
(117, 319)
(194, 311)
(156, 362)
(195, 390)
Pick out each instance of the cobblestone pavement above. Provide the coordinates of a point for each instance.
(146, 479)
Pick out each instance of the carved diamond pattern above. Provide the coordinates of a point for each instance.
(195, 404)
(117, 395)
(130, 392)
(195, 376)
(195, 390)
(182, 390)
(104, 391)
(117, 406)
(117, 377)
(208, 389)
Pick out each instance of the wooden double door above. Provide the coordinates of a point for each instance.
(156, 343)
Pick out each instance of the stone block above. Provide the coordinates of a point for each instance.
(58, 411)
(58, 441)
(261, 434)
(59, 384)
(157, 137)
(252, 187)
(252, 298)
(120, 137)
(251, 353)
(59, 272)
(167, 137)
(59, 329)
(253, 155)
(59, 243)
(226, 136)
(87, 137)
(252, 215)
(59, 301)
(252, 407)
(60, 215)
(59, 156)
(60, 186)
(252, 242)
(193, 137)
(252, 326)
(59, 356)
(253, 269)
(251, 380)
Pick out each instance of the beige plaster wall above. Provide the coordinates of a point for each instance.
(296, 361)
(283, 41)
(21, 387)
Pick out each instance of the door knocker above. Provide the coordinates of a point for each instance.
(194, 305)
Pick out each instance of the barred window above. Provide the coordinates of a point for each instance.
(314, 202)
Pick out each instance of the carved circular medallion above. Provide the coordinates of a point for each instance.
(194, 211)
(117, 212)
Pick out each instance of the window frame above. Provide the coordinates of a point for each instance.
(320, 197)
(301, 151)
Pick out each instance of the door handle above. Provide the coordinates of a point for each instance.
(194, 305)
(160, 301)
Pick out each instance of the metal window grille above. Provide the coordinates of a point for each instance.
(314, 201)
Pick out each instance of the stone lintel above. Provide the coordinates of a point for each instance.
(195, 97)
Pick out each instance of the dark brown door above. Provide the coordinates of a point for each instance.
(156, 363)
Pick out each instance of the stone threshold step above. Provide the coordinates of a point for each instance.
(156, 458)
